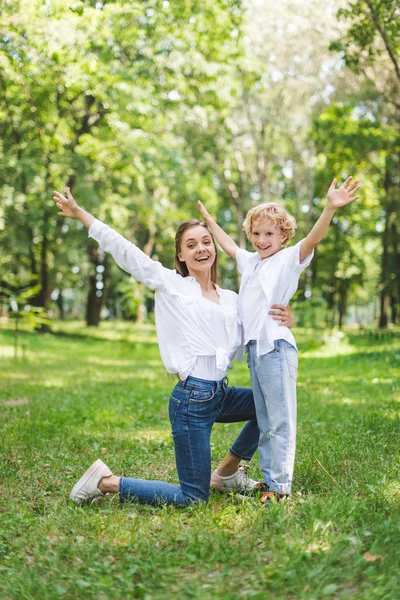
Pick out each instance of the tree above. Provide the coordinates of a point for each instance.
(370, 48)
(92, 96)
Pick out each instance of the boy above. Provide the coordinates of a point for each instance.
(270, 275)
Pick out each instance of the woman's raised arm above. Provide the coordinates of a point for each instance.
(127, 256)
(69, 208)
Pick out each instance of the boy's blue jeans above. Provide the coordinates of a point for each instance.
(273, 377)
(195, 405)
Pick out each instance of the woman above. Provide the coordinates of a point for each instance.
(198, 335)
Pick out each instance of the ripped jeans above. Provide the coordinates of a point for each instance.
(273, 377)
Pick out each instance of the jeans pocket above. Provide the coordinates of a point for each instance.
(173, 409)
(292, 358)
(202, 395)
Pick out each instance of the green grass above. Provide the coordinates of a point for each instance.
(84, 394)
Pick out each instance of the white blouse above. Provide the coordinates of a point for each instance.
(196, 336)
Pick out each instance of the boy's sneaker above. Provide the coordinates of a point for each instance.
(255, 492)
(238, 482)
(269, 496)
(86, 489)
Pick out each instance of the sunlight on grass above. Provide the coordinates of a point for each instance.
(8, 351)
(108, 362)
(391, 492)
(13, 375)
(146, 435)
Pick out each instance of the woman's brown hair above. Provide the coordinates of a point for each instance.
(180, 266)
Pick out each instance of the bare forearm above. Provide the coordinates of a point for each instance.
(227, 244)
(317, 233)
(224, 240)
(321, 226)
(84, 217)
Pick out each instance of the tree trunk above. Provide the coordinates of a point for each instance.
(389, 242)
(60, 306)
(383, 312)
(383, 315)
(42, 299)
(331, 310)
(342, 302)
(395, 276)
(148, 249)
(96, 297)
(94, 303)
(393, 306)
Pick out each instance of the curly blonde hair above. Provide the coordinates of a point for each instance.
(270, 211)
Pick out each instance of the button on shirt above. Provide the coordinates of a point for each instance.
(190, 328)
(273, 280)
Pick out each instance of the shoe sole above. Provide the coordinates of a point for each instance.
(227, 490)
(235, 490)
(92, 470)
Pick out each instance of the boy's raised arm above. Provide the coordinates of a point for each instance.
(228, 245)
(336, 198)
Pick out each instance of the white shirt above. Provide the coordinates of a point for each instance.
(253, 296)
(205, 367)
(278, 277)
(190, 328)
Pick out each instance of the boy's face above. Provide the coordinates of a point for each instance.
(266, 238)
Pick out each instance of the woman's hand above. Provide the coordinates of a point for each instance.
(283, 314)
(70, 208)
(67, 205)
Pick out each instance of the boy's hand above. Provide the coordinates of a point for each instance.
(204, 213)
(343, 195)
(67, 205)
(224, 240)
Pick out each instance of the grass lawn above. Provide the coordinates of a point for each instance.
(84, 394)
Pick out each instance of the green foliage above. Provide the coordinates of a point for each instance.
(93, 95)
(363, 43)
(16, 294)
(144, 107)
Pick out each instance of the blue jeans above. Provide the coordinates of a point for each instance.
(273, 377)
(195, 405)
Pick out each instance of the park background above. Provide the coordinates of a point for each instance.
(143, 108)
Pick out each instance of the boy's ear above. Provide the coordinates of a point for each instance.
(284, 237)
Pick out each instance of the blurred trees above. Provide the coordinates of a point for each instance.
(370, 48)
(93, 96)
(144, 107)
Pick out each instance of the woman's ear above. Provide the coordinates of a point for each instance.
(180, 258)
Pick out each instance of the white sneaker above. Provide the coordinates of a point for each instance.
(86, 489)
(238, 482)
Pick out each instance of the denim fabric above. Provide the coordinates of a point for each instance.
(194, 406)
(273, 377)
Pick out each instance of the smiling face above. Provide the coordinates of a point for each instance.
(197, 250)
(267, 238)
